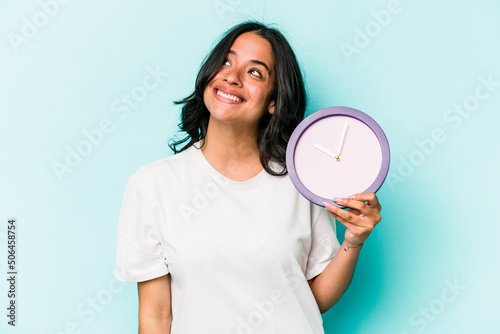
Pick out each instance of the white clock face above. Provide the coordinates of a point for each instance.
(337, 156)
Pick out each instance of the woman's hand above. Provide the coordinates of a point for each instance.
(360, 219)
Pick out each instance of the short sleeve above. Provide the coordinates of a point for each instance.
(324, 242)
(138, 247)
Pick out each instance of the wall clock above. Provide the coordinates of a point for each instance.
(337, 152)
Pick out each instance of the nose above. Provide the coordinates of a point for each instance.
(233, 77)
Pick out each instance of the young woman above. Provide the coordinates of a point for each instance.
(216, 235)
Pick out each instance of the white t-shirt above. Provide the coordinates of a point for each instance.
(239, 254)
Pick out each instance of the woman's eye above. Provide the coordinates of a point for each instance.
(227, 63)
(255, 72)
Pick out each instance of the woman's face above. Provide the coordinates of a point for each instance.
(240, 93)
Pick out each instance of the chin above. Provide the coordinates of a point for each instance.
(222, 115)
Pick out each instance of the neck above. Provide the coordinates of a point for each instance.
(233, 151)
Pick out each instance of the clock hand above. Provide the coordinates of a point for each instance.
(324, 150)
(337, 156)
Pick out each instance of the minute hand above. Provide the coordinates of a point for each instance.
(337, 156)
(324, 150)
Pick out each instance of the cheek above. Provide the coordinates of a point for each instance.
(207, 101)
(261, 94)
(265, 91)
(207, 93)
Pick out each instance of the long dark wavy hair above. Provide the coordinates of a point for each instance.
(289, 97)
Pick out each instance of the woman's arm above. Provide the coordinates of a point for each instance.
(360, 219)
(155, 314)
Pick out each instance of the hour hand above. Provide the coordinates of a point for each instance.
(324, 150)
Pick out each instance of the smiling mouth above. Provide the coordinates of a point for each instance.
(228, 96)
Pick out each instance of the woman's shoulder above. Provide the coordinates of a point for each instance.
(172, 165)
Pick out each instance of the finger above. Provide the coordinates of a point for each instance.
(360, 208)
(342, 215)
(354, 211)
(354, 229)
(351, 203)
(370, 198)
(368, 216)
(357, 231)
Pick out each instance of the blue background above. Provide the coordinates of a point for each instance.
(431, 265)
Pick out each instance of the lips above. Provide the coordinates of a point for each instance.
(228, 97)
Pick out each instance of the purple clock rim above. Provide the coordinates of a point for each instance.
(336, 111)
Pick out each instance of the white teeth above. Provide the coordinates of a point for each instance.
(229, 96)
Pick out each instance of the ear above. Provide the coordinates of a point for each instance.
(271, 107)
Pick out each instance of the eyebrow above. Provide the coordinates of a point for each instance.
(255, 61)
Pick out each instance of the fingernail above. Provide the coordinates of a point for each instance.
(338, 200)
